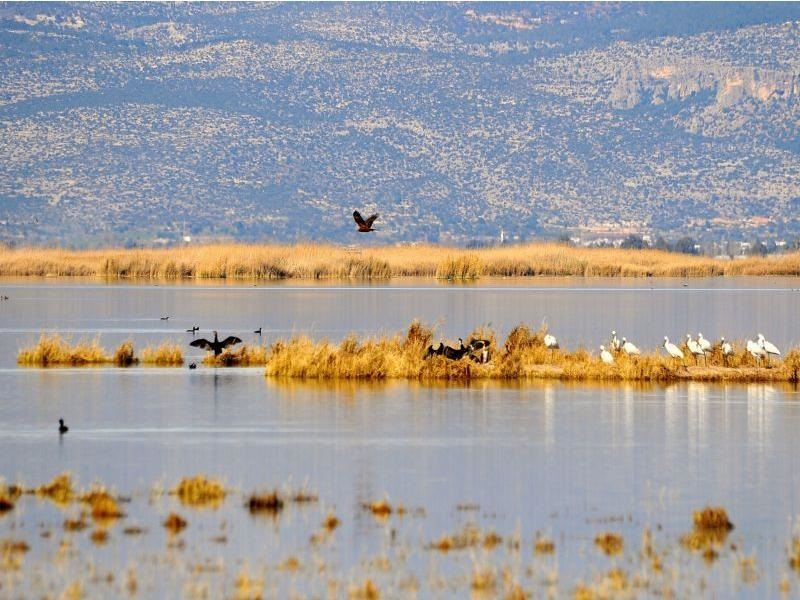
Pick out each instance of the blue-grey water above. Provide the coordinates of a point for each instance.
(566, 460)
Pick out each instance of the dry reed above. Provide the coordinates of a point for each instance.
(318, 261)
(522, 356)
(166, 354)
(52, 349)
(244, 356)
(199, 491)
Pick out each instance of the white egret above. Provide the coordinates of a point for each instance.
(672, 349)
(616, 345)
(694, 347)
(629, 349)
(726, 348)
(756, 351)
(550, 342)
(768, 347)
(703, 343)
(606, 356)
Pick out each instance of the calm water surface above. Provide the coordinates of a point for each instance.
(566, 460)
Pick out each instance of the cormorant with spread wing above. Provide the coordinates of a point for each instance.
(364, 226)
(216, 346)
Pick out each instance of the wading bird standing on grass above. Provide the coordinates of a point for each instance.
(769, 348)
(726, 349)
(629, 349)
(216, 346)
(550, 342)
(694, 348)
(616, 345)
(673, 350)
(364, 226)
(756, 351)
(606, 356)
(703, 343)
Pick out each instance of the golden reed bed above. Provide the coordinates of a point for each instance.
(522, 356)
(53, 350)
(320, 261)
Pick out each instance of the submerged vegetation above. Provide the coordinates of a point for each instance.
(478, 558)
(321, 261)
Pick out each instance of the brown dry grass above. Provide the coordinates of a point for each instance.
(265, 502)
(166, 354)
(60, 490)
(711, 527)
(199, 492)
(522, 356)
(52, 349)
(319, 261)
(244, 356)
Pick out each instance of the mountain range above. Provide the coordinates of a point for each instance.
(139, 123)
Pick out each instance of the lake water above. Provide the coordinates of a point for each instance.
(570, 461)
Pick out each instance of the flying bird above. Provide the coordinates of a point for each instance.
(216, 346)
(364, 226)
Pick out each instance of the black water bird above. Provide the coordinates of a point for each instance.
(192, 365)
(482, 345)
(431, 351)
(457, 353)
(165, 318)
(193, 329)
(258, 331)
(216, 346)
(364, 226)
(62, 429)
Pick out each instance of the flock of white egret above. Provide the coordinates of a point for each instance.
(760, 349)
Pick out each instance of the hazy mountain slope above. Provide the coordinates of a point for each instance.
(125, 121)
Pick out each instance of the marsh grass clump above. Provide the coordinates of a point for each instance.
(11, 554)
(124, 356)
(174, 523)
(199, 492)
(380, 509)
(483, 580)
(711, 527)
(104, 507)
(265, 502)
(460, 267)
(166, 354)
(543, 545)
(244, 356)
(331, 522)
(59, 490)
(610, 543)
(53, 350)
(247, 587)
(8, 497)
(365, 591)
(78, 523)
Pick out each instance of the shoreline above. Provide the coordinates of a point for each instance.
(336, 262)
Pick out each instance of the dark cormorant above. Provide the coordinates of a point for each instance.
(258, 331)
(216, 346)
(62, 429)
